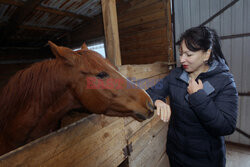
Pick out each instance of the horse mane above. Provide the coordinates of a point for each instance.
(39, 85)
(27, 86)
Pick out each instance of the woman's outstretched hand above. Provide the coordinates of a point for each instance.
(163, 110)
(194, 86)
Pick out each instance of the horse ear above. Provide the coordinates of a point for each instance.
(53, 48)
(84, 46)
(66, 54)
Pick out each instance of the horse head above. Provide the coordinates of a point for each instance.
(99, 87)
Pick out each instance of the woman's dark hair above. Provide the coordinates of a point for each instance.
(203, 38)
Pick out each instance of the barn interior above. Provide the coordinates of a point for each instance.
(27, 25)
(144, 35)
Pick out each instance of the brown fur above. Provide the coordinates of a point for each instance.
(36, 98)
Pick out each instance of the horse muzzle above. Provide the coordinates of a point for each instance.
(151, 107)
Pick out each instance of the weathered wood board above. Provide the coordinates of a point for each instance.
(99, 140)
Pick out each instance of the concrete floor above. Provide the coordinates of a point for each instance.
(237, 156)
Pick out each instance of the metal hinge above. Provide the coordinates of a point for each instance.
(127, 150)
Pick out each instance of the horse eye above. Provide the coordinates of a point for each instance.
(102, 75)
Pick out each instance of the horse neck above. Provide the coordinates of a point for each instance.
(35, 88)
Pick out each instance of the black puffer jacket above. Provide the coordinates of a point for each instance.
(200, 120)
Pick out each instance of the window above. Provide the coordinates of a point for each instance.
(98, 48)
(96, 45)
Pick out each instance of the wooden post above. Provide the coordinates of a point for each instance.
(111, 31)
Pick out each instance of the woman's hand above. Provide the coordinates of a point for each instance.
(163, 110)
(194, 86)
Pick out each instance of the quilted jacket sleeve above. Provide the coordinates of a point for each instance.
(218, 115)
(160, 90)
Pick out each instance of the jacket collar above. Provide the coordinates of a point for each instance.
(184, 75)
(207, 87)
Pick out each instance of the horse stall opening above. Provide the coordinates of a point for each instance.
(145, 36)
(99, 140)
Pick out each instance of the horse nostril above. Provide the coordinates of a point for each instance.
(150, 114)
(150, 106)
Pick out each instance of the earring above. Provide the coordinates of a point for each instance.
(205, 61)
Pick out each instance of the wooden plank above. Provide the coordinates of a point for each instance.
(137, 4)
(147, 10)
(139, 130)
(146, 27)
(145, 52)
(86, 150)
(144, 60)
(137, 72)
(115, 159)
(164, 161)
(134, 129)
(143, 19)
(51, 147)
(143, 44)
(111, 31)
(148, 149)
(153, 34)
(169, 44)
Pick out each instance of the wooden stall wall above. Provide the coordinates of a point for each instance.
(145, 32)
(146, 140)
(99, 140)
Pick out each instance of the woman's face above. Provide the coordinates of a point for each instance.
(192, 61)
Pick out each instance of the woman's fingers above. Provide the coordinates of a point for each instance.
(162, 113)
(158, 111)
(163, 110)
(169, 113)
(165, 114)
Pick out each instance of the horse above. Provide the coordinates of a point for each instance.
(35, 99)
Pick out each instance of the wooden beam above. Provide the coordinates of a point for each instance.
(47, 9)
(169, 31)
(63, 13)
(11, 2)
(111, 31)
(18, 17)
(36, 28)
(90, 30)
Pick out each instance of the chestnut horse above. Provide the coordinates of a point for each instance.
(36, 98)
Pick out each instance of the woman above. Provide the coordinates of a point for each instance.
(203, 101)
